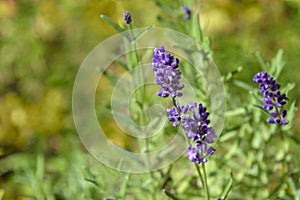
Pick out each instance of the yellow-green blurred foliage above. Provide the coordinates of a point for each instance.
(42, 46)
(43, 43)
(15, 128)
(19, 120)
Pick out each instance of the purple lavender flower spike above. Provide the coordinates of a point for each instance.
(193, 118)
(273, 99)
(167, 75)
(127, 17)
(187, 12)
(196, 125)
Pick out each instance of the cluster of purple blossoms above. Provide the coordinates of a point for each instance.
(187, 12)
(273, 99)
(193, 118)
(196, 124)
(174, 116)
(127, 17)
(167, 75)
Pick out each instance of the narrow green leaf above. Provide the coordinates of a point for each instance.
(295, 139)
(124, 185)
(228, 187)
(144, 32)
(112, 23)
(236, 112)
(243, 85)
(261, 108)
(197, 31)
(288, 87)
(122, 64)
(92, 181)
(164, 22)
(165, 177)
(276, 189)
(166, 9)
(232, 73)
(277, 63)
(293, 188)
(169, 194)
(261, 61)
(40, 166)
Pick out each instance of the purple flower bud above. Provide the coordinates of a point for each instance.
(127, 17)
(187, 12)
(284, 113)
(210, 151)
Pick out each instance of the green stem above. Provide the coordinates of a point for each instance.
(137, 62)
(124, 186)
(200, 176)
(205, 182)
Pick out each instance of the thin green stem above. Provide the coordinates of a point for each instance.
(124, 186)
(205, 182)
(200, 176)
(137, 62)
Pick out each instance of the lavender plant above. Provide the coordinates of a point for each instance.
(193, 118)
(258, 147)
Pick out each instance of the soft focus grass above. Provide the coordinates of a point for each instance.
(42, 46)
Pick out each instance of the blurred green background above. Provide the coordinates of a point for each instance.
(44, 42)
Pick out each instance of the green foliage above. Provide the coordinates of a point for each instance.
(42, 45)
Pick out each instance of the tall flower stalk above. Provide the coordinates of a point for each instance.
(193, 118)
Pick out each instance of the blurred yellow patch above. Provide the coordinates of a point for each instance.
(14, 127)
(7, 9)
(95, 8)
(46, 117)
(19, 121)
(215, 20)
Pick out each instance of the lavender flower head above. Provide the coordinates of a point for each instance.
(167, 75)
(187, 12)
(196, 124)
(127, 17)
(273, 99)
(193, 118)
